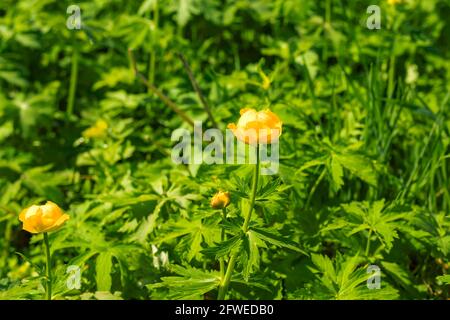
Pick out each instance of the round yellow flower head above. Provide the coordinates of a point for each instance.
(220, 200)
(45, 218)
(257, 126)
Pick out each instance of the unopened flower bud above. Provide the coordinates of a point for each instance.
(220, 200)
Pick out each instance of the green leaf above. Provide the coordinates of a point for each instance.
(312, 163)
(185, 10)
(103, 271)
(147, 226)
(359, 166)
(272, 236)
(146, 6)
(336, 173)
(224, 248)
(343, 280)
(324, 265)
(445, 279)
(191, 284)
(250, 257)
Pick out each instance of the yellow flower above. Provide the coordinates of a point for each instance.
(257, 127)
(45, 218)
(220, 200)
(394, 2)
(96, 131)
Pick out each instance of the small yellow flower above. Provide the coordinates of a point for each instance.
(394, 2)
(45, 218)
(257, 126)
(97, 130)
(220, 200)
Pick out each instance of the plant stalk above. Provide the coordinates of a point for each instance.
(368, 243)
(151, 72)
(48, 291)
(223, 288)
(172, 105)
(222, 239)
(73, 81)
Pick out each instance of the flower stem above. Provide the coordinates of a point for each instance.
(223, 288)
(154, 36)
(368, 243)
(222, 239)
(48, 268)
(73, 81)
(253, 195)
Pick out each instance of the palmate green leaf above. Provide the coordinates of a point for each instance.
(224, 248)
(192, 283)
(192, 234)
(343, 280)
(383, 222)
(324, 265)
(336, 158)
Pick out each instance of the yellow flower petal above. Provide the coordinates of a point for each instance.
(44, 218)
(257, 127)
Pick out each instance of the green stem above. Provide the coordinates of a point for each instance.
(314, 188)
(151, 70)
(48, 268)
(222, 239)
(368, 243)
(391, 73)
(326, 28)
(223, 288)
(73, 81)
(253, 195)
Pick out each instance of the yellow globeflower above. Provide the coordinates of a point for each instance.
(220, 200)
(45, 218)
(257, 126)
